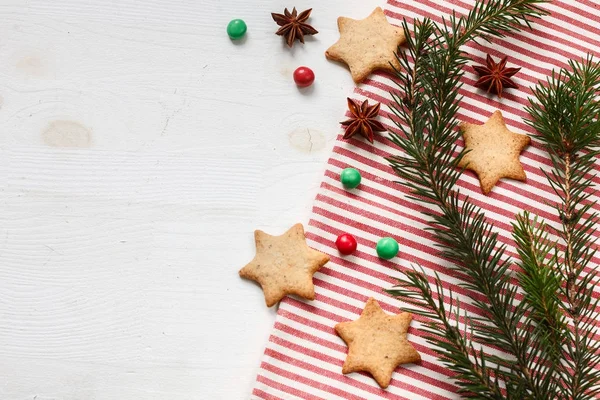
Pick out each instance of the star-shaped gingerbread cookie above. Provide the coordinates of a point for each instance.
(493, 151)
(377, 343)
(367, 45)
(284, 265)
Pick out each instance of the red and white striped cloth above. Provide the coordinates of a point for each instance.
(304, 356)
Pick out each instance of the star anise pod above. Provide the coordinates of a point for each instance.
(362, 120)
(494, 77)
(293, 25)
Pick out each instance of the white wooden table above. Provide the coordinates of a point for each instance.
(139, 149)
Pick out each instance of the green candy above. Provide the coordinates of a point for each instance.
(350, 178)
(387, 248)
(236, 29)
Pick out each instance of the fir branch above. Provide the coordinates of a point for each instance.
(540, 281)
(452, 347)
(431, 68)
(565, 112)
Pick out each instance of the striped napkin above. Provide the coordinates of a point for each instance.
(304, 356)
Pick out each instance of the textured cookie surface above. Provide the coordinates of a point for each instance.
(493, 151)
(377, 343)
(367, 45)
(284, 265)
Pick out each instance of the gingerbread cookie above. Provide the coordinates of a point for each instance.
(284, 265)
(367, 45)
(377, 343)
(493, 151)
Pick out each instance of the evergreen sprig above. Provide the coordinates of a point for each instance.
(566, 114)
(540, 281)
(443, 330)
(426, 109)
(547, 339)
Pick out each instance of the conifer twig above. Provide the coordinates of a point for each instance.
(565, 111)
(457, 351)
(540, 281)
(426, 111)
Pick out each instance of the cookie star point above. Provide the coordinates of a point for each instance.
(284, 265)
(367, 45)
(493, 151)
(377, 343)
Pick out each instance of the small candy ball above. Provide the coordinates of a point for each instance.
(387, 248)
(350, 178)
(304, 76)
(236, 29)
(346, 243)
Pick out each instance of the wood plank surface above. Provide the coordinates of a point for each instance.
(139, 149)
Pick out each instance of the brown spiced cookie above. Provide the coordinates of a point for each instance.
(377, 343)
(493, 151)
(367, 45)
(284, 265)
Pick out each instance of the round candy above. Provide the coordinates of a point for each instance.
(304, 76)
(387, 248)
(350, 178)
(236, 29)
(346, 243)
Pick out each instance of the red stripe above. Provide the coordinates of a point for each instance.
(403, 189)
(316, 369)
(337, 362)
(543, 159)
(316, 310)
(590, 4)
(543, 188)
(306, 336)
(415, 331)
(338, 208)
(405, 244)
(283, 388)
(348, 380)
(437, 368)
(343, 349)
(580, 12)
(504, 237)
(262, 394)
(417, 217)
(397, 226)
(539, 24)
(534, 184)
(375, 260)
(332, 360)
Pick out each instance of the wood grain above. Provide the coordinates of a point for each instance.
(139, 149)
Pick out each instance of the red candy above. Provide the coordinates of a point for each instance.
(304, 76)
(346, 243)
